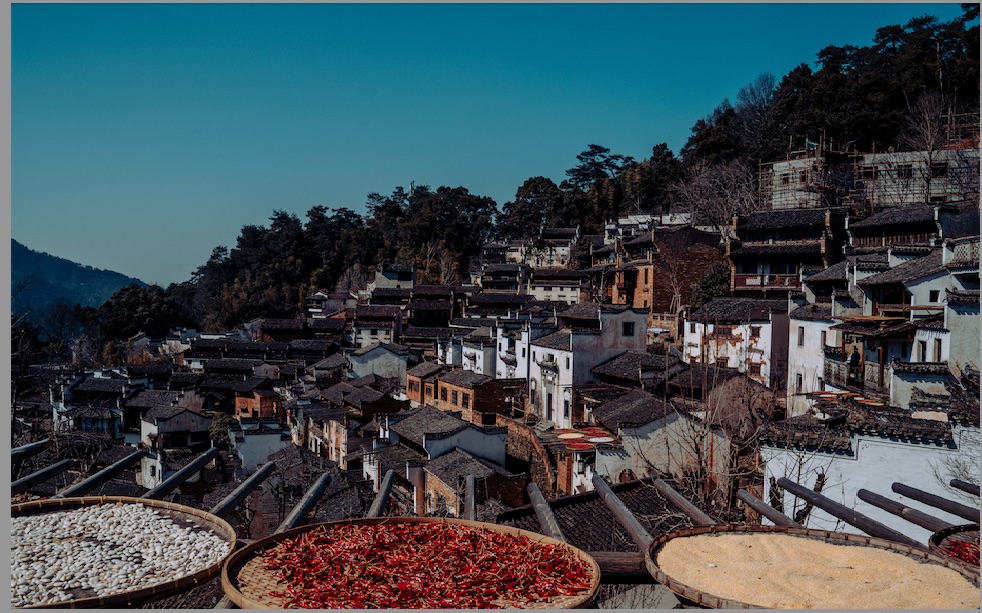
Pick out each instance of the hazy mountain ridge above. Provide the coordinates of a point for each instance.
(39, 280)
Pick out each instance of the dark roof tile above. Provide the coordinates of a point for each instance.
(908, 271)
(738, 310)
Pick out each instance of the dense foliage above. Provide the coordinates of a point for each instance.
(862, 97)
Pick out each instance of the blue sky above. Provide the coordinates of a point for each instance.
(144, 135)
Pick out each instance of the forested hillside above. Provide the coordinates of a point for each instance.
(859, 97)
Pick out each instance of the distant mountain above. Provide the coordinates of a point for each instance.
(38, 280)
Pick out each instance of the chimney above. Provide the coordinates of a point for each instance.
(414, 474)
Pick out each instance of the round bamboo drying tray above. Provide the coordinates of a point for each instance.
(247, 583)
(711, 601)
(940, 538)
(201, 520)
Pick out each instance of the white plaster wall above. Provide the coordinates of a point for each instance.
(732, 354)
(963, 322)
(475, 442)
(665, 445)
(380, 362)
(876, 465)
(807, 360)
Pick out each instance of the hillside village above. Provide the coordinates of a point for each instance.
(843, 354)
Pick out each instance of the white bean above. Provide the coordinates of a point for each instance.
(109, 549)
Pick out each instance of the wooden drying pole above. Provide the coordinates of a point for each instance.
(296, 517)
(382, 497)
(779, 519)
(25, 483)
(901, 510)
(543, 512)
(244, 489)
(853, 518)
(622, 514)
(19, 454)
(470, 504)
(85, 486)
(938, 502)
(299, 513)
(965, 486)
(679, 501)
(175, 480)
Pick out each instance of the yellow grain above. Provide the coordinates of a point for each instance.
(782, 571)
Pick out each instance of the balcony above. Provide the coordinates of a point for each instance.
(862, 379)
(766, 281)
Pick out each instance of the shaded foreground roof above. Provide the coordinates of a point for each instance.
(452, 468)
(588, 523)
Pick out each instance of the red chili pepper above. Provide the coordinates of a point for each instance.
(427, 565)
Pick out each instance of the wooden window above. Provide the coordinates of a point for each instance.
(905, 171)
(939, 169)
(922, 347)
(453, 397)
(627, 328)
(937, 350)
(753, 369)
(824, 337)
(755, 331)
(443, 394)
(692, 328)
(801, 336)
(465, 401)
(933, 295)
(798, 382)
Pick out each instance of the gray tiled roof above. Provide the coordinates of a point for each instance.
(813, 311)
(311, 344)
(392, 347)
(425, 369)
(152, 398)
(333, 361)
(591, 310)
(808, 248)
(896, 216)
(835, 272)
(415, 424)
(464, 378)
(427, 332)
(557, 340)
(962, 297)
(789, 218)
(161, 413)
(452, 468)
(588, 523)
(738, 310)
(908, 271)
(99, 385)
(636, 407)
(632, 364)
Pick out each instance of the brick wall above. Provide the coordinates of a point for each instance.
(524, 445)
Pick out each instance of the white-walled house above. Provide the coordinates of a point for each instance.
(961, 319)
(167, 429)
(388, 360)
(478, 351)
(655, 437)
(811, 338)
(748, 334)
(513, 337)
(592, 334)
(871, 449)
